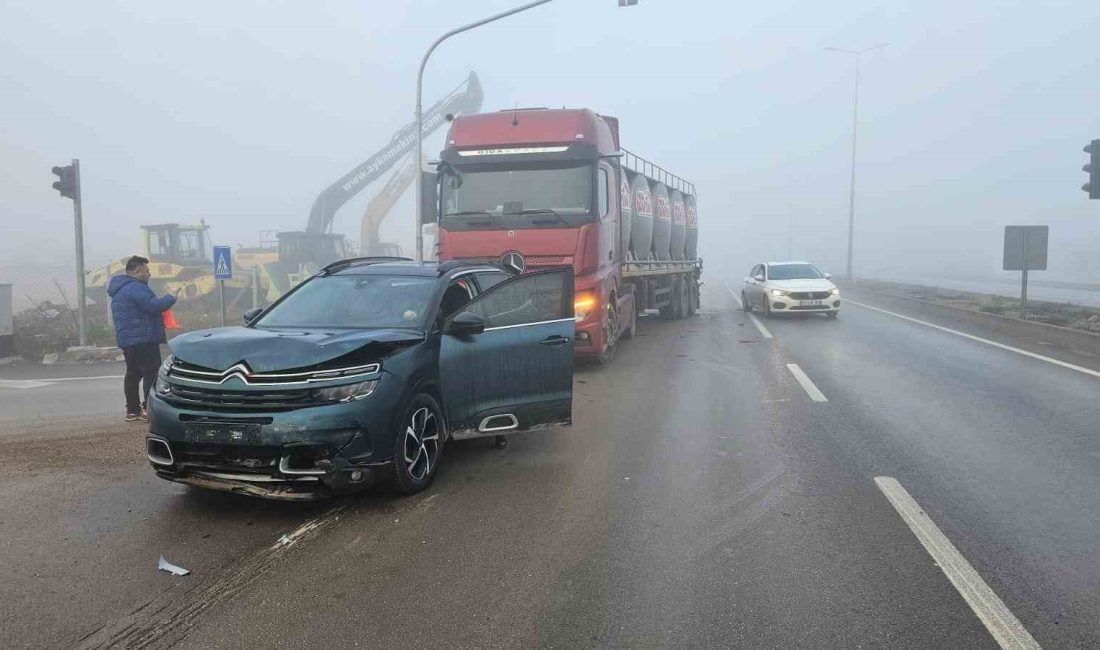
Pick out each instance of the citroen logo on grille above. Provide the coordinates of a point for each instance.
(513, 260)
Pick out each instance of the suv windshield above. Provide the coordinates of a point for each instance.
(544, 196)
(354, 301)
(794, 272)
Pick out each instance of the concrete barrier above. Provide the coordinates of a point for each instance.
(990, 325)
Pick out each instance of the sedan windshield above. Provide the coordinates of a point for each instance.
(794, 272)
(354, 301)
(546, 196)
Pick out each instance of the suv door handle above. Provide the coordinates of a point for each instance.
(554, 340)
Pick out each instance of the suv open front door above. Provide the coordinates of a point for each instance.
(517, 374)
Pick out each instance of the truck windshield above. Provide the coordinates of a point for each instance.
(354, 301)
(489, 197)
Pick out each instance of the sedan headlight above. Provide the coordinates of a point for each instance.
(346, 393)
(779, 292)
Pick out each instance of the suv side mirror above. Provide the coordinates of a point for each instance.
(466, 323)
(828, 276)
(251, 315)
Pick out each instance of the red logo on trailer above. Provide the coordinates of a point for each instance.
(643, 202)
(624, 190)
(678, 213)
(691, 218)
(664, 210)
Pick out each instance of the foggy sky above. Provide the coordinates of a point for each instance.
(241, 113)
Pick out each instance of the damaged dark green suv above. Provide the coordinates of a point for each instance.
(363, 373)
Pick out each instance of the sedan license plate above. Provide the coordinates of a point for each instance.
(812, 303)
(224, 433)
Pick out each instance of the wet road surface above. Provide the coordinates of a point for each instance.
(709, 494)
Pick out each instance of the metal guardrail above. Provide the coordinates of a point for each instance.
(639, 165)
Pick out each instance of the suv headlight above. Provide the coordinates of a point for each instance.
(834, 291)
(167, 364)
(778, 292)
(346, 393)
(162, 386)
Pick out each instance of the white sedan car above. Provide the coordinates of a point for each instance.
(790, 287)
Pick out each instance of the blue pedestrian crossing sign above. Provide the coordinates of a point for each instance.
(223, 263)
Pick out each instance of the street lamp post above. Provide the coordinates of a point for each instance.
(420, 114)
(855, 127)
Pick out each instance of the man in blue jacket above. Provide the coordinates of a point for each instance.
(139, 328)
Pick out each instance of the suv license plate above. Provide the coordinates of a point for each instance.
(225, 433)
(812, 303)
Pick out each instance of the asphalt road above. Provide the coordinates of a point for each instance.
(706, 496)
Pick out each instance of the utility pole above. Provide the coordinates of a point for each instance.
(68, 184)
(855, 130)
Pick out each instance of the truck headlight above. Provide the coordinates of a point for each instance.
(584, 303)
(162, 386)
(346, 393)
(167, 365)
(779, 292)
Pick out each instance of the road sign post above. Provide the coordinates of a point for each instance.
(1025, 250)
(223, 270)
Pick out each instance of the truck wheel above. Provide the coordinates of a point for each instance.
(685, 300)
(610, 334)
(419, 445)
(693, 293)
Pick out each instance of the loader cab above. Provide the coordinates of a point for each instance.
(303, 253)
(172, 243)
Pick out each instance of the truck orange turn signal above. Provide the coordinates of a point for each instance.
(584, 303)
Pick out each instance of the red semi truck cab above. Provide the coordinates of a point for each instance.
(535, 188)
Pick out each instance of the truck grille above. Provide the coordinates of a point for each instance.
(237, 401)
(810, 295)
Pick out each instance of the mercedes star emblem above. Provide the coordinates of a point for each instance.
(513, 260)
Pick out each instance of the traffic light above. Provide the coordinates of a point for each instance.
(66, 183)
(1093, 170)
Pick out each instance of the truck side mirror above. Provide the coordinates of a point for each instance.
(429, 204)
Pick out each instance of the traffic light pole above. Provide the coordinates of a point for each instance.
(78, 222)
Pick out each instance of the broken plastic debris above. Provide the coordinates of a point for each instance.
(165, 565)
(283, 541)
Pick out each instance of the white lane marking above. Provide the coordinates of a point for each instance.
(806, 383)
(991, 610)
(1087, 371)
(755, 321)
(43, 382)
(21, 383)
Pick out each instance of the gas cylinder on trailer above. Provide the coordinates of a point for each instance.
(679, 225)
(662, 224)
(691, 239)
(641, 230)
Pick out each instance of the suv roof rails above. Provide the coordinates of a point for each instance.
(340, 265)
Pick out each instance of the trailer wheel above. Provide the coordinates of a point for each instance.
(668, 312)
(693, 293)
(685, 300)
